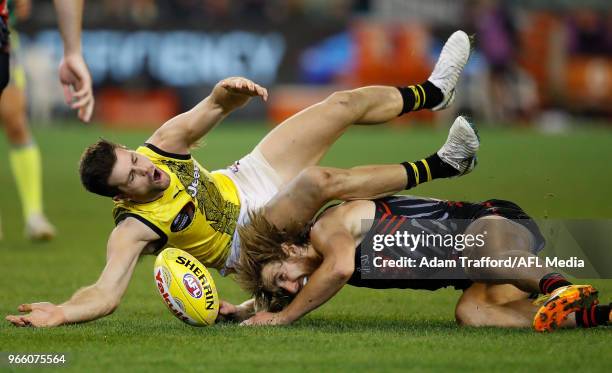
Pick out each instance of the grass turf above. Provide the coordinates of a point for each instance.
(360, 329)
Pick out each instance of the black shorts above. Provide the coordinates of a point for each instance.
(505, 209)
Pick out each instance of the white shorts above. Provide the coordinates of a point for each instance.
(257, 182)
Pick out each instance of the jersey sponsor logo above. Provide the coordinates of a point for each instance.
(193, 187)
(183, 218)
(192, 285)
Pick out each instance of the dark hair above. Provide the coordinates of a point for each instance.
(261, 243)
(96, 166)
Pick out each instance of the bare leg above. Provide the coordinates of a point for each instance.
(509, 240)
(497, 305)
(303, 197)
(25, 162)
(504, 239)
(314, 186)
(303, 139)
(480, 305)
(13, 116)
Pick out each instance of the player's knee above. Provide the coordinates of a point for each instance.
(487, 228)
(342, 98)
(17, 131)
(344, 101)
(319, 181)
(500, 235)
(466, 313)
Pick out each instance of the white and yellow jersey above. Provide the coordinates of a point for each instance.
(197, 212)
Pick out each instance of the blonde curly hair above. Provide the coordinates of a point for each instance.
(261, 243)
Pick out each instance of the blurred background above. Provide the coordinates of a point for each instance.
(542, 63)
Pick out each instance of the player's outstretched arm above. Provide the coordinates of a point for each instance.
(336, 245)
(73, 72)
(125, 245)
(70, 15)
(180, 133)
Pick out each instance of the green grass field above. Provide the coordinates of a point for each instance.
(359, 330)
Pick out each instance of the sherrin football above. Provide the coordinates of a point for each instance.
(186, 287)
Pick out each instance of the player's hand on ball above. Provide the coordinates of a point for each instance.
(265, 318)
(42, 314)
(227, 309)
(76, 81)
(244, 86)
(227, 312)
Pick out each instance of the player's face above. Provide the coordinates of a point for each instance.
(291, 275)
(137, 177)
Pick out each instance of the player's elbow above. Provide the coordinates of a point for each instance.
(342, 270)
(112, 305)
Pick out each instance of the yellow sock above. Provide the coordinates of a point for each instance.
(25, 162)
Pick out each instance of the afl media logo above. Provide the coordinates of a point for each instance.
(192, 285)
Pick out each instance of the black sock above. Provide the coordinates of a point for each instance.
(593, 316)
(420, 96)
(426, 170)
(552, 281)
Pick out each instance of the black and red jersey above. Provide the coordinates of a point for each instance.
(420, 215)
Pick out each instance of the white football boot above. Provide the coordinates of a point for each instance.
(451, 62)
(38, 228)
(461, 146)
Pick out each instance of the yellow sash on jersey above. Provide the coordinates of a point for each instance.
(197, 212)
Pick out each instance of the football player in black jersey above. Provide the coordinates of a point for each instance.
(293, 262)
